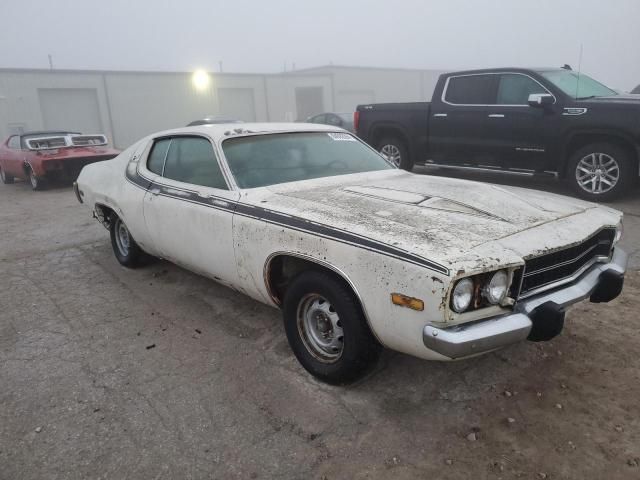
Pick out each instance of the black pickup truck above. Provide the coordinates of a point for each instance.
(554, 122)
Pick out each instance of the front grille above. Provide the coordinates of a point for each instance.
(557, 266)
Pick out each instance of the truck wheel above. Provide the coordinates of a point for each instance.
(600, 171)
(5, 177)
(327, 330)
(125, 248)
(36, 182)
(394, 150)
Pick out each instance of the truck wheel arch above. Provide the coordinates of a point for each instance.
(580, 139)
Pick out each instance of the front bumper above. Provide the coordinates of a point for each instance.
(537, 318)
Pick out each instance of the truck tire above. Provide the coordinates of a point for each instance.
(601, 171)
(327, 330)
(125, 248)
(5, 177)
(395, 150)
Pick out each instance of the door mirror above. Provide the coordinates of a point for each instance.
(540, 100)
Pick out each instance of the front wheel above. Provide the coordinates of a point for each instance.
(600, 172)
(5, 177)
(37, 183)
(394, 150)
(327, 330)
(125, 248)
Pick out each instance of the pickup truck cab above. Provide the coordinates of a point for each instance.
(554, 122)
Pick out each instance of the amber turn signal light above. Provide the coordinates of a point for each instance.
(409, 302)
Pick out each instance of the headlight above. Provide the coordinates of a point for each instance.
(619, 232)
(462, 295)
(495, 291)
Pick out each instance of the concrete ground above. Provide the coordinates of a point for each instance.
(158, 373)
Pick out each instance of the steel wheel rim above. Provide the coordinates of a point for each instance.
(33, 179)
(597, 173)
(123, 239)
(391, 153)
(320, 328)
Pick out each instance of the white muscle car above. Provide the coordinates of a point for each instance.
(357, 253)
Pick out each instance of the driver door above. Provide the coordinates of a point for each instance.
(188, 208)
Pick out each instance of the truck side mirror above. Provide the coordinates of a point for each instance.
(540, 100)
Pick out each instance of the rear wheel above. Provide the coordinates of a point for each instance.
(125, 248)
(327, 330)
(5, 177)
(395, 150)
(601, 171)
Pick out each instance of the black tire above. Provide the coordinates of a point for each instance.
(130, 255)
(37, 183)
(360, 350)
(586, 182)
(394, 147)
(5, 177)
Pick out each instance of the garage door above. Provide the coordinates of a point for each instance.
(309, 101)
(73, 109)
(237, 104)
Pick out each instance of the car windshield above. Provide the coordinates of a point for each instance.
(577, 85)
(261, 160)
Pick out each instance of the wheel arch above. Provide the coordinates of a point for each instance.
(581, 138)
(382, 129)
(281, 267)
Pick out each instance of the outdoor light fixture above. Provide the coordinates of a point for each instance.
(200, 80)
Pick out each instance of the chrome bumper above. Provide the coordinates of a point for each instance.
(496, 332)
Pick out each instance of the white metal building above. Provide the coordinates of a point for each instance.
(128, 105)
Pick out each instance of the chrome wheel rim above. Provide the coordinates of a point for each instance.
(33, 179)
(123, 240)
(391, 153)
(597, 173)
(320, 328)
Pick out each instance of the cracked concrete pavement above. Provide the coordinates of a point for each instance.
(159, 373)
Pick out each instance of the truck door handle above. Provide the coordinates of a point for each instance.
(439, 114)
(496, 115)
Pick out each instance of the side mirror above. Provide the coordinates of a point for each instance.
(540, 100)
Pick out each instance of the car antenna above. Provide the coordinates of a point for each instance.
(579, 70)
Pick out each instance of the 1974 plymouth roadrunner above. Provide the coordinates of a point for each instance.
(357, 253)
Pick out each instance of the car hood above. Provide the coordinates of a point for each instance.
(622, 99)
(438, 218)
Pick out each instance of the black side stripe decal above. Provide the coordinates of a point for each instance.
(280, 219)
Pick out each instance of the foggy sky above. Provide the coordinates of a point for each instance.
(260, 36)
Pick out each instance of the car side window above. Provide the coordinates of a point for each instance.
(334, 120)
(192, 160)
(470, 90)
(514, 89)
(318, 118)
(155, 161)
(14, 142)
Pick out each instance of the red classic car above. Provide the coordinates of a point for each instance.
(40, 156)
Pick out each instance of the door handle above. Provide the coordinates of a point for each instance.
(439, 114)
(496, 115)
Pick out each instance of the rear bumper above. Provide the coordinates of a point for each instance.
(537, 318)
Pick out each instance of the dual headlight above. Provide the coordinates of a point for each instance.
(480, 290)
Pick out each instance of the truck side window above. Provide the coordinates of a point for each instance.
(514, 89)
(470, 90)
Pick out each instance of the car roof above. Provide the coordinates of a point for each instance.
(221, 131)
